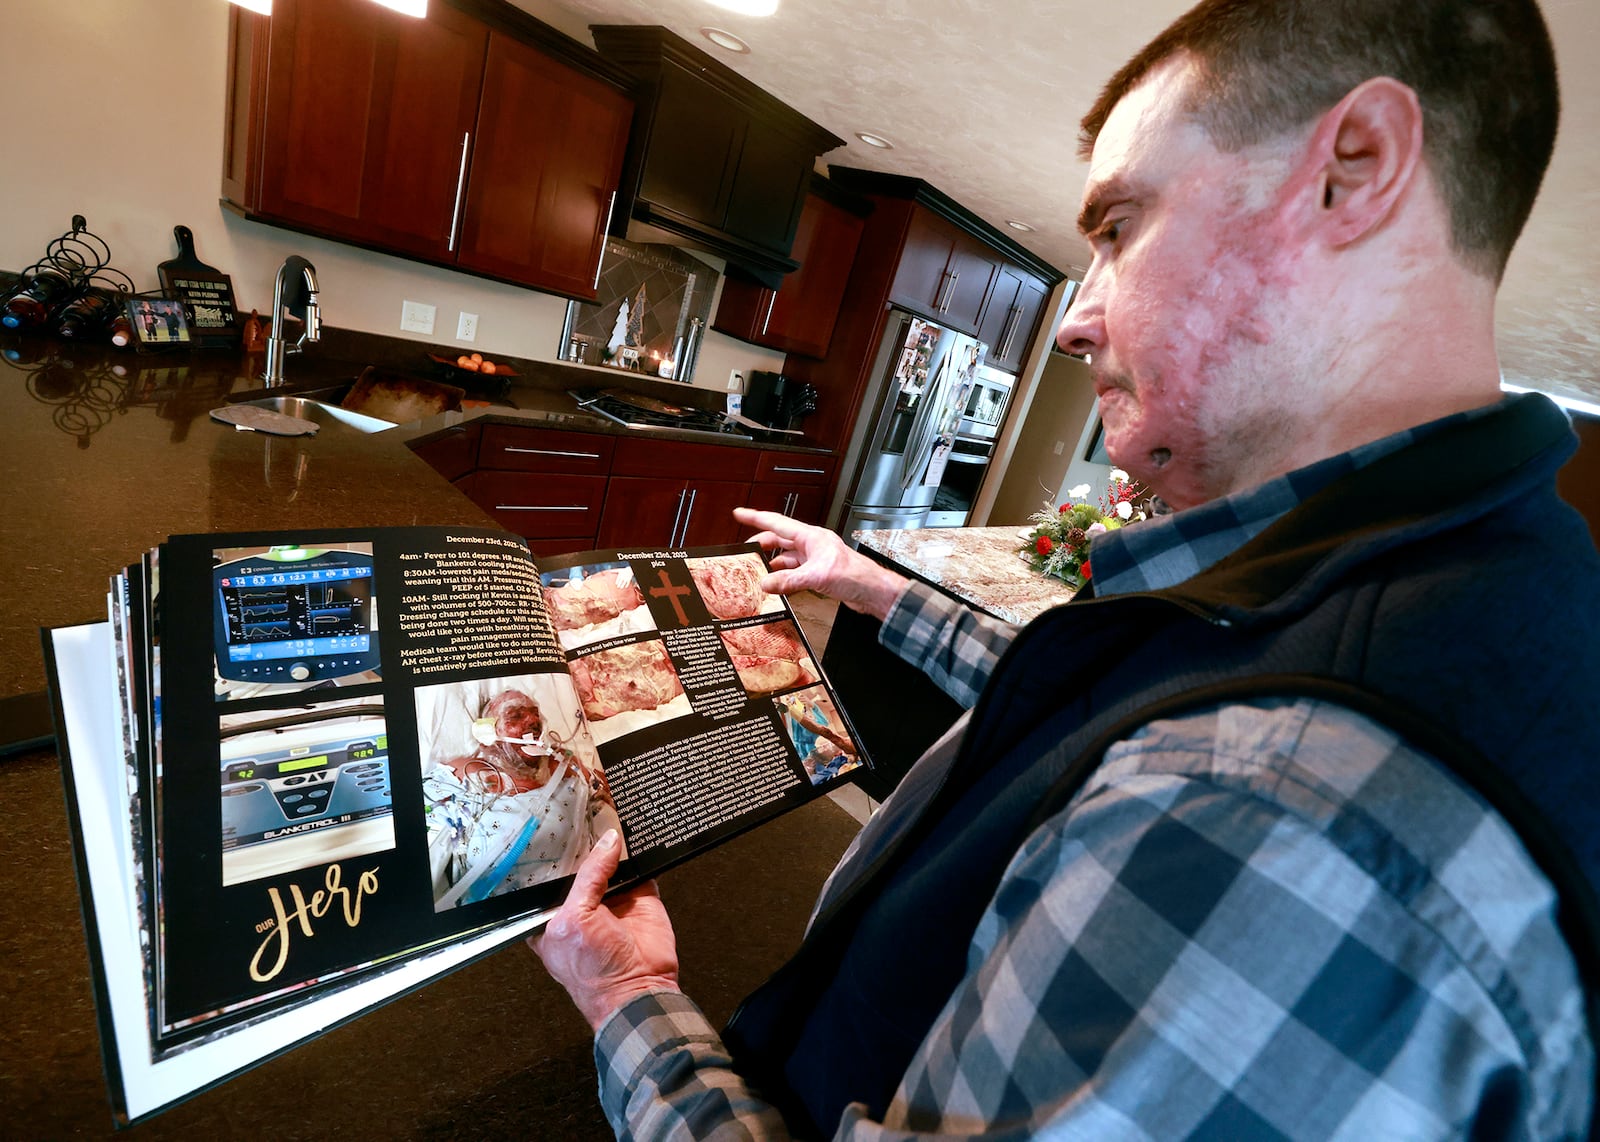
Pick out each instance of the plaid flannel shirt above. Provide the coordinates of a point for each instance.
(1265, 920)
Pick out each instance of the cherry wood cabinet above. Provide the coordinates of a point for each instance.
(670, 493)
(944, 272)
(438, 139)
(1012, 317)
(365, 115)
(798, 316)
(572, 491)
(545, 165)
(528, 449)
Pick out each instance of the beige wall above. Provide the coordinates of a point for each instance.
(1061, 405)
(132, 140)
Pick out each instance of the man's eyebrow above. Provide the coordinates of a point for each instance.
(1094, 206)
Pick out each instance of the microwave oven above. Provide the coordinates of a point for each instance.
(985, 407)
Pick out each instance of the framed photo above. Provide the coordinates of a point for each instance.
(158, 323)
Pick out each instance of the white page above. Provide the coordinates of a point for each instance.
(88, 692)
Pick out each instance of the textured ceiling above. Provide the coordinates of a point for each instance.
(982, 100)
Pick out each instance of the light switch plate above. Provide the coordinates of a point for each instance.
(417, 317)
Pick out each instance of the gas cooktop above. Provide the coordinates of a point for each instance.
(647, 414)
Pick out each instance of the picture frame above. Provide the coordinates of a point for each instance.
(159, 323)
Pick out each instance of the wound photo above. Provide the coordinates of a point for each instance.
(628, 688)
(304, 786)
(591, 603)
(513, 791)
(730, 586)
(818, 732)
(289, 618)
(770, 657)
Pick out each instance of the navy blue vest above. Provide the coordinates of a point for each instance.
(1444, 590)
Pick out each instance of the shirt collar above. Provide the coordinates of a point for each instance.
(1164, 551)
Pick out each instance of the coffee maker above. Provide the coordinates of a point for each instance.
(777, 401)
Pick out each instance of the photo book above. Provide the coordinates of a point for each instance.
(309, 772)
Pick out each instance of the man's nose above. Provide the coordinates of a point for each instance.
(1082, 328)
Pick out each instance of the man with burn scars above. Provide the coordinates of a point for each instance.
(1286, 827)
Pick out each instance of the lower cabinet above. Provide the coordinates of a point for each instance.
(797, 501)
(561, 512)
(644, 511)
(573, 491)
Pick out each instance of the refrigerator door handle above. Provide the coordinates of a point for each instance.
(919, 440)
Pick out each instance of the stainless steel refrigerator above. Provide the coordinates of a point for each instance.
(923, 375)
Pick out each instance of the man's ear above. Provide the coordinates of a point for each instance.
(1370, 146)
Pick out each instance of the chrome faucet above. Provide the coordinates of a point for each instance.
(295, 289)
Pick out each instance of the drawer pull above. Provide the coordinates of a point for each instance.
(553, 452)
(542, 507)
(803, 471)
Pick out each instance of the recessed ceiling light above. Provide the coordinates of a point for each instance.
(748, 7)
(726, 40)
(1017, 225)
(872, 140)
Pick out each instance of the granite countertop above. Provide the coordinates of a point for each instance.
(108, 452)
(978, 565)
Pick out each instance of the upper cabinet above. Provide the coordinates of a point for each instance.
(1012, 316)
(944, 272)
(714, 161)
(544, 172)
(799, 316)
(440, 139)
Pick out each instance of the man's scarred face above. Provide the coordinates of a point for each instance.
(1182, 308)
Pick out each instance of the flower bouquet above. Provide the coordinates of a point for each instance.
(1058, 542)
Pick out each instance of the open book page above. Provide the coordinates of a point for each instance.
(706, 706)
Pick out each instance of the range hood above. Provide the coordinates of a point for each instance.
(713, 162)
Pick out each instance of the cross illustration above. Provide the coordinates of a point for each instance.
(672, 594)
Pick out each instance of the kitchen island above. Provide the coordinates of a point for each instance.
(893, 706)
(107, 454)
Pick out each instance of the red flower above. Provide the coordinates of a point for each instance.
(1087, 574)
(1064, 508)
(1044, 546)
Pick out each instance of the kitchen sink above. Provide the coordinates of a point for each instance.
(320, 406)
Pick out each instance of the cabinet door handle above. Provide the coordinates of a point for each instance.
(461, 183)
(789, 500)
(682, 538)
(683, 497)
(604, 234)
(1012, 321)
(772, 303)
(541, 507)
(938, 294)
(804, 471)
(950, 294)
(552, 452)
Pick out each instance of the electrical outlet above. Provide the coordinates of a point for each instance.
(736, 382)
(1060, 447)
(417, 317)
(467, 327)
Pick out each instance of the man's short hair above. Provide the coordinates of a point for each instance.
(1483, 70)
